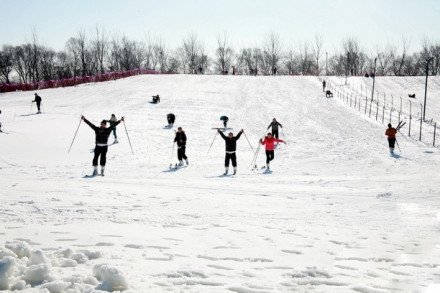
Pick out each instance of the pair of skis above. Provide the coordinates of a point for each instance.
(400, 125)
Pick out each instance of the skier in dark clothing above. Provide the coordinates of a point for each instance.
(231, 146)
(38, 101)
(274, 124)
(113, 120)
(181, 146)
(102, 133)
(225, 120)
(391, 133)
(323, 85)
(156, 99)
(171, 118)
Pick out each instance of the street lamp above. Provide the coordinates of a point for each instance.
(374, 78)
(426, 85)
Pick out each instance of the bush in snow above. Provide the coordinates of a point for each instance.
(7, 265)
(20, 248)
(111, 278)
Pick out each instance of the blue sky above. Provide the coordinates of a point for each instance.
(246, 22)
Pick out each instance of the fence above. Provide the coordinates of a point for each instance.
(32, 86)
(388, 109)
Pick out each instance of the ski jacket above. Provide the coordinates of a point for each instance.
(270, 143)
(112, 121)
(224, 118)
(391, 132)
(101, 134)
(180, 138)
(37, 99)
(231, 142)
(274, 125)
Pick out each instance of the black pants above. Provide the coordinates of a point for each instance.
(225, 122)
(391, 142)
(275, 133)
(38, 106)
(181, 153)
(231, 157)
(270, 155)
(170, 120)
(100, 151)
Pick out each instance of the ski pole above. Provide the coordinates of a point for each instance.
(398, 146)
(254, 161)
(75, 135)
(172, 155)
(30, 111)
(128, 137)
(212, 141)
(249, 142)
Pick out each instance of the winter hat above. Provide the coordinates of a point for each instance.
(104, 122)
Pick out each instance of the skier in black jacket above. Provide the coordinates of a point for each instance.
(102, 133)
(274, 124)
(38, 101)
(231, 146)
(171, 118)
(181, 146)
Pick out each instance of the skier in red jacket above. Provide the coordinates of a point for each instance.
(269, 142)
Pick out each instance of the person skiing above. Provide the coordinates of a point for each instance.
(323, 85)
(269, 142)
(233, 70)
(181, 146)
(274, 124)
(171, 118)
(102, 133)
(156, 99)
(112, 122)
(391, 133)
(38, 101)
(231, 147)
(225, 120)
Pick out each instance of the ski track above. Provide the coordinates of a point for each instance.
(337, 214)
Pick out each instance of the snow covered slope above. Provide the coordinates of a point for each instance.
(335, 214)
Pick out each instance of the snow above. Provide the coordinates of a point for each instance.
(335, 214)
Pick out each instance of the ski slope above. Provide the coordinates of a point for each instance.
(335, 214)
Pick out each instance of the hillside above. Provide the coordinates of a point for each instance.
(335, 214)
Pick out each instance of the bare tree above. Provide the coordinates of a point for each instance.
(317, 52)
(191, 47)
(272, 52)
(99, 50)
(399, 61)
(224, 54)
(385, 60)
(6, 63)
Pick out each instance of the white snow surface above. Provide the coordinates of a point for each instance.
(336, 213)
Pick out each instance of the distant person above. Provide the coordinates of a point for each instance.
(156, 99)
(231, 147)
(366, 75)
(274, 71)
(101, 138)
(38, 101)
(113, 122)
(274, 124)
(225, 120)
(328, 94)
(171, 118)
(269, 142)
(181, 146)
(323, 85)
(391, 134)
(233, 70)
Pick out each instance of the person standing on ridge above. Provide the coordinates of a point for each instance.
(269, 142)
(101, 137)
(323, 85)
(38, 101)
(225, 120)
(181, 146)
(274, 124)
(391, 133)
(231, 147)
(113, 120)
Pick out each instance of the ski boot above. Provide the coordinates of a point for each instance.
(180, 163)
(95, 171)
(226, 171)
(102, 170)
(187, 162)
(235, 171)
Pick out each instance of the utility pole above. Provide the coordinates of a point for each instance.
(426, 85)
(374, 78)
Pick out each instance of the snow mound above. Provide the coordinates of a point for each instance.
(111, 278)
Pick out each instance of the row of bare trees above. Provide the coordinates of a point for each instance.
(90, 55)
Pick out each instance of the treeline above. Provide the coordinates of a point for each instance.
(97, 54)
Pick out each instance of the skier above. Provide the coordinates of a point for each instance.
(328, 94)
(112, 122)
(233, 70)
(171, 118)
(38, 101)
(274, 124)
(156, 99)
(102, 133)
(231, 146)
(269, 143)
(225, 120)
(323, 85)
(391, 133)
(181, 146)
